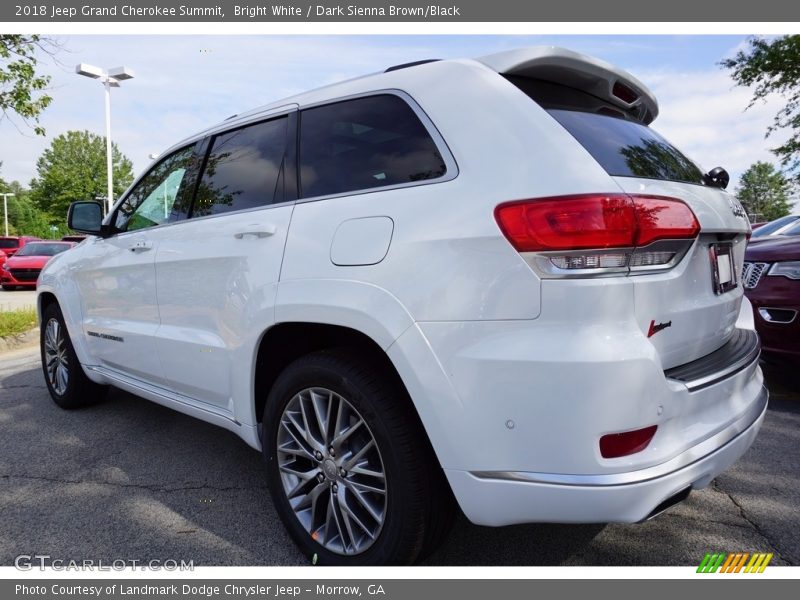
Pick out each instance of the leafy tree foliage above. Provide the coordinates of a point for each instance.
(773, 67)
(74, 168)
(764, 192)
(22, 89)
(24, 217)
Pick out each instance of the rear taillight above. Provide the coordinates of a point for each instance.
(608, 232)
(615, 445)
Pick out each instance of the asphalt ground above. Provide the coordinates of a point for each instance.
(128, 479)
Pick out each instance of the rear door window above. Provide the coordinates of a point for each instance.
(244, 169)
(364, 143)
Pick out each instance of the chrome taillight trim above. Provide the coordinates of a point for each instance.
(541, 262)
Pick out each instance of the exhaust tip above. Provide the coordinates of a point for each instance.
(669, 503)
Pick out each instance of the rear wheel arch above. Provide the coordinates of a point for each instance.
(283, 343)
(289, 344)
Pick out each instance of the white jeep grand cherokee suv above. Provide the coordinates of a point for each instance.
(484, 281)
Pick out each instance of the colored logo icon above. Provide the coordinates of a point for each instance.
(735, 562)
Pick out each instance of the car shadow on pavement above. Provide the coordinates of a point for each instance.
(131, 479)
(128, 478)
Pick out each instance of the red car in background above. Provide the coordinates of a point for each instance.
(9, 245)
(22, 269)
(771, 280)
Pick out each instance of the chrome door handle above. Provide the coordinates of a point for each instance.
(264, 231)
(140, 247)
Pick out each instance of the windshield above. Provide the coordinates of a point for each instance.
(9, 243)
(793, 230)
(39, 249)
(773, 226)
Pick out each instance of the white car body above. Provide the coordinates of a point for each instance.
(515, 375)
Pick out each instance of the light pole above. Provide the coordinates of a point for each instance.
(5, 209)
(109, 79)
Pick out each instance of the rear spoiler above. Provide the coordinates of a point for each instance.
(579, 71)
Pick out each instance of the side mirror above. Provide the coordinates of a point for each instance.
(86, 217)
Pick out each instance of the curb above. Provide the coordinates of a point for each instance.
(14, 342)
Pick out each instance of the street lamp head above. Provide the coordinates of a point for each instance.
(88, 70)
(121, 73)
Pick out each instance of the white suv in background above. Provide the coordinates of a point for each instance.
(484, 281)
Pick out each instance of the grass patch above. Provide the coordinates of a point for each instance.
(16, 322)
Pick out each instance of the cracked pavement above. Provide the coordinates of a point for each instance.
(134, 480)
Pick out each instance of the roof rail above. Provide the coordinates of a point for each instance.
(412, 64)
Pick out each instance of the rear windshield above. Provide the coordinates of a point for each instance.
(38, 249)
(9, 243)
(622, 145)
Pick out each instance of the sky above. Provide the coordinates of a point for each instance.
(185, 83)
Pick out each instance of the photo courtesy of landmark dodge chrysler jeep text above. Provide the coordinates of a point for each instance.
(485, 282)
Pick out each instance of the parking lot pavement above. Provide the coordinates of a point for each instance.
(13, 299)
(130, 479)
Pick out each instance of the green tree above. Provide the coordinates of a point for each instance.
(764, 192)
(24, 217)
(22, 89)
(773, 67)
(74, 168)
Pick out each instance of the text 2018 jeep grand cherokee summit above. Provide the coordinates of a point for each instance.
(486, 281)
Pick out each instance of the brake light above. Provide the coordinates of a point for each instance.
(663, 219)
(624, 93)
(615, 445)
(618, 226)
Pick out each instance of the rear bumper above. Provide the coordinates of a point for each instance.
(505, 498)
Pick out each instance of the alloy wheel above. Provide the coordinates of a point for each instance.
(332, 471)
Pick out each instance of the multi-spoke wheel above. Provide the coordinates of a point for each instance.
(56, 361)
(350, 470)
(67, 383)
(332, 471)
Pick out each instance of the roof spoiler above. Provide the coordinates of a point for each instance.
(579, 71)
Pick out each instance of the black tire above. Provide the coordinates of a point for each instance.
(9, 288)
(79, 389)
(412, 507)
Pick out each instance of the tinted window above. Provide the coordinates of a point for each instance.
(615, 137)
(244, 169)
(9, 243)
(773, 226)
(156, 199)
(627, 148)
(43, 249)
(364, 143)
(793, 230)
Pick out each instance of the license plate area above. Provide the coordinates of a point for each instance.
(723, 269)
